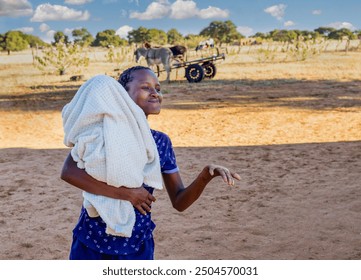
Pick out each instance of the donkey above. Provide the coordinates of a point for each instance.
(156, 56)
(177, 50)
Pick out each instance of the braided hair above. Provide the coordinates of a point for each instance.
(127, 76)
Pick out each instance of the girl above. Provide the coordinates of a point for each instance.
(90, 240)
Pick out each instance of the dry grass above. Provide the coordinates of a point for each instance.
(17, 70)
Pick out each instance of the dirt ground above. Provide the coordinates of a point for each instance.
(292, 131)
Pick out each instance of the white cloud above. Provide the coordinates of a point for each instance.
(183, 9)
(277, 11)
(180, 9)
(77, 2)
(339, 25)
(289, 23)
(44, 27)
(213, 12)
(155, 10)
(245, 30)
(17, 8)
(68, 31)
(46, 12)
(26, 29)
(49, 36)
(316, 12)
(123, 31)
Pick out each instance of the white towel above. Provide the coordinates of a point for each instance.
(112, 141)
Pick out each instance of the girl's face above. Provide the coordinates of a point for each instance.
(144, 89)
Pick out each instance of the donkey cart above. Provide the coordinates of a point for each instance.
(197, 70)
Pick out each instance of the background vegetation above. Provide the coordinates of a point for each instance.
(223, 32)
(71, 55)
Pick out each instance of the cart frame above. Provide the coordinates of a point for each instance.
(198, 69)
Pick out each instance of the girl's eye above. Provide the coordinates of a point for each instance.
(150, 89)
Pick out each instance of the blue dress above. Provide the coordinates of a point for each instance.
(90, 240)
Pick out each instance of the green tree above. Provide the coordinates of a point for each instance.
(357, 34)
(62, 57)
(82, 37)
(260, 35)
(325, 30)
(13, 41)
(283, 35)
(309, 34)
(139, 35)
(174, 37)
(2, 42)
(157, 36)
(108, 38)
(59, 36)
(34, 41)
(341, 33)
(192, 40)
(222, 32)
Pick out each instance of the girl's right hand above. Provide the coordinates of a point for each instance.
(141, 199)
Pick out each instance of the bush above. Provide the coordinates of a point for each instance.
(61, 58)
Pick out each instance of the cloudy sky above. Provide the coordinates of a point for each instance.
(43, 18)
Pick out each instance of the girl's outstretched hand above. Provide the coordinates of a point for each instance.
(227, 176)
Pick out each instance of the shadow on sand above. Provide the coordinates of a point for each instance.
(292, 93)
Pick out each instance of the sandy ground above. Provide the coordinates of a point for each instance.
(296, 144)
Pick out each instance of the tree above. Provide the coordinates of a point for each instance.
(325, 30)
(283, 35)
(82, 37)
(156, 36)
(260, 35)
(108, 38)
(341, 33)
(231, 32)
(62, 57)
(139, 35)
(308, 34)
(174, 37)
(222, 32)
(59, 36)
(34, 41)
(2, 42)
(13, 41)
(191, 40)
(358, 34)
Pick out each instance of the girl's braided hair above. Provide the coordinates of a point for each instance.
(127, 76)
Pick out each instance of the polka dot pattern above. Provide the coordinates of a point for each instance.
(91, 231)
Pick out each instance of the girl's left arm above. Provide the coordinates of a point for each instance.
(182, 197)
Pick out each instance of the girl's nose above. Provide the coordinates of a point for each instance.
(156, 93)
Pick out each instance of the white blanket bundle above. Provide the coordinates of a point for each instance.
(111, 139)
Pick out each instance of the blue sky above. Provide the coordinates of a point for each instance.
(43, 18)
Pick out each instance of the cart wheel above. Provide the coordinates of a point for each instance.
(210, 70)
(194, 73)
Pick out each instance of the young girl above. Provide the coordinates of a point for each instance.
(90, 240)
